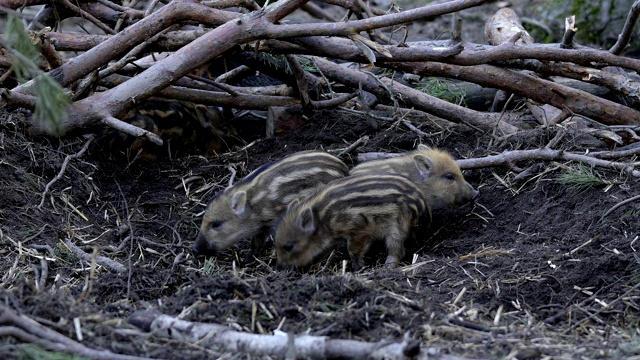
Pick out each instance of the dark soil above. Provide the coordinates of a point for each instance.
(539, 252)
(533, 270)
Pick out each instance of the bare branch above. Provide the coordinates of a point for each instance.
(411, 97)
(579, 102)
(100, 260)
(301, 346)
(508, 158)
(622, 203)
(63, 168)
(569, 32)
(131, 129)
(625, 35)
(88, 16)
(28, 330)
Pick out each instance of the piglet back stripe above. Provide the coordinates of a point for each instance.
(415, 203)
(249, 178)
(292, 164)
(303, 161)
(366, 191)
(371, 186)
(294, 185)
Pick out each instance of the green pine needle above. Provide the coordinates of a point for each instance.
(51, 99)
(580, 179)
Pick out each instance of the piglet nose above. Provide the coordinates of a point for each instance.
(201, 247)
(196, 247)
(475, 194)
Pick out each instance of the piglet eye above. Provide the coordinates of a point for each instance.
(288, 246)
(449, 176)
(215, 224)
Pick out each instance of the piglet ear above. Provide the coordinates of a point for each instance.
(293, 204)
(424, 166)
(238, 204)
(307, 221)
(423, 147)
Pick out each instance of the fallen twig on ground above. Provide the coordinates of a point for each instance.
(100, 260)
(283, 345)
(63, 168)
(621, 203)
(26, 329)
(360, 142)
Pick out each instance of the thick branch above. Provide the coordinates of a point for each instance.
(52, 339)
(119, 44)
(579, 102)
(612, 81)
(280, 346)
(412, 97)
(475, 54)
(349, 27)
(625, 35)
(340, 48)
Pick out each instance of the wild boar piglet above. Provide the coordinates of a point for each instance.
(434, 171)
(249, 208)
(359, 209)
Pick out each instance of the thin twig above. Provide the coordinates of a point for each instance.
(132, 129)
(421, 133)
(88, 16)
(608, 307)
(151, 6)
(332, 103)
(621, 203)
(63, 168)
(556, 139)
(131, 55)
(222, 86)
(360, 142)
(100, 260)
(302, 80)
(232, 74)
(233, 175)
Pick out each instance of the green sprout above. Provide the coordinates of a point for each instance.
(442, 89)
(580, 179)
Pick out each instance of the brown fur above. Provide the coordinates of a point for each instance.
(434, 171)
(358, 208)
(250, 207)
(184, 127)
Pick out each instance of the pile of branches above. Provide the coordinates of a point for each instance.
(164, 51)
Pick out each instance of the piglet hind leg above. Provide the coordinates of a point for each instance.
(394, 241)
(358, 246)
